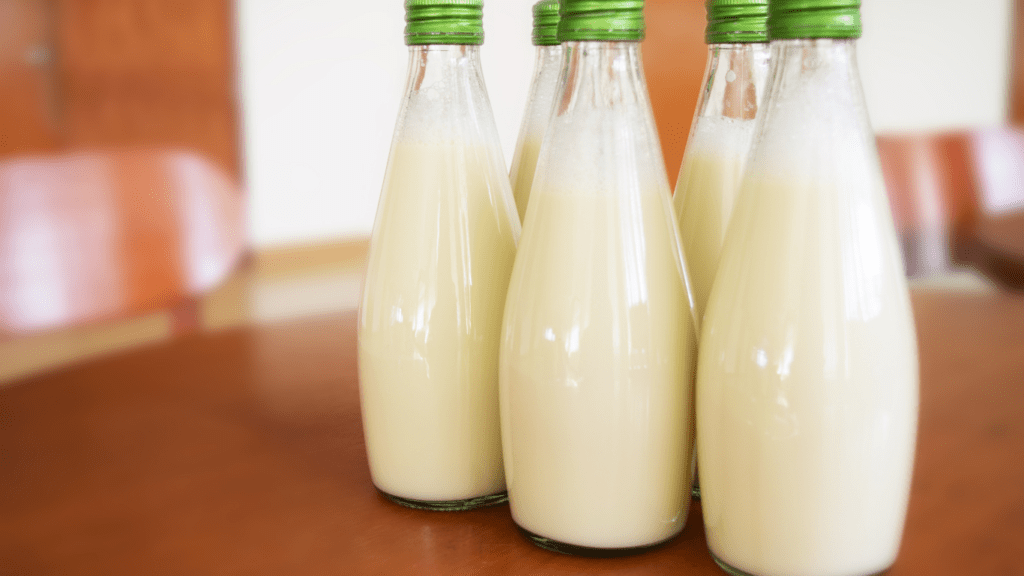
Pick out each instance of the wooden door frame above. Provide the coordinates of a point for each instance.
(1016, 104)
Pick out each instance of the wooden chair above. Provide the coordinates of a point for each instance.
(100, 235)
(955, 194)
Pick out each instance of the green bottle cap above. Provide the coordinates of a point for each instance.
(545, 23)
(736, 21)
(601, 20)
(444, 22)
(789, 19)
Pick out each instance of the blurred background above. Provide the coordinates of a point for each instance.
(173, 167)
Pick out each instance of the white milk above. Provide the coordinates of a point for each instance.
(523, 168)
(596, 365)
(708, 182)
(430, 323)
(807, 378)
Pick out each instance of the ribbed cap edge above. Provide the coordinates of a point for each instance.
(444, 22)
(601, 20)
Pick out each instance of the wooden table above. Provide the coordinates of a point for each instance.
(242, 453)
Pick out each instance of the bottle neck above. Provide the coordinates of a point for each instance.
(445, 86)
(432, 65)
(821, 72)
(543, 90)
(602, 137)
(602, 76)
(735, 81)
(547, 58)
(814, 120)
(445, 97)
(546, 70)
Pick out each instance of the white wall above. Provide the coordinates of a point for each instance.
(321, 80)
(320, 84)
(935, 64)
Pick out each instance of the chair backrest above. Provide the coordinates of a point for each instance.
(939, 184)
(98, 235)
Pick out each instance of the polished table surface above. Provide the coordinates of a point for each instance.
(241, 452)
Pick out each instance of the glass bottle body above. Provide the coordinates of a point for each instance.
(716, 154)
(535, 122)
(598, 342)
(808, 379)
(440, 257)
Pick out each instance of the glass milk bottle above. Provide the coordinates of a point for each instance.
(440, 258)
(721, 133)
(546, 67)
(598, 342)
(807, 383)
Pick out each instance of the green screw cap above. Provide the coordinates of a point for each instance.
(788, 19)
(601, 20)
(444, 22)
(736, 21)
(545, 23)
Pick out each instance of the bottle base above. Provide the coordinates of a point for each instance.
(733, 571)
(728, 569)
(449, 505)
(586, 551)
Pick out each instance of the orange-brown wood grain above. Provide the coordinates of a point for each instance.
(929, 168)
(933, 188)
(1016, 112)
(969, 172)
(995, 245)
(674, 61)
(29, 105)
(150, 72)
(140, 36)
(98, 235)
(241, 452)
(100, 73)
(958, 196)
